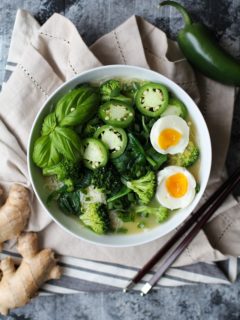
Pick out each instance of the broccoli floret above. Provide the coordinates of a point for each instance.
(161, 213)
(110, 89)
(187, 158)
(144, 187)
(96, 217)
(65, 169)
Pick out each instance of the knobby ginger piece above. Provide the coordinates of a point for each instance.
(14, 214)
(18, 286)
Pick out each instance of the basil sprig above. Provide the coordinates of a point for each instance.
(57, 139)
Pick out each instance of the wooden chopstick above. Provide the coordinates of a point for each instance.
(170, 257)
(182, 230)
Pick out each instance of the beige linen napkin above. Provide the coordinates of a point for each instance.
(56, 53)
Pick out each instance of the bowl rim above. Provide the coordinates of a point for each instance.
(80, 237)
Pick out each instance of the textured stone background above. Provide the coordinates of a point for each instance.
(94, 18)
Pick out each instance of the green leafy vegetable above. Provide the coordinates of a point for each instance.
(77, 106)
(107, 179)
(121, 193)
(132, 163)
(49, 124)
(69, 202)
(45, 154)
(67, 142)
(123, 203)
(155, 158)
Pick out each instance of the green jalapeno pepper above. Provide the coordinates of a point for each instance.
(114, 138)
(152, 99)
(116, 113)
(175, 107)
(95, 154)
(203, 52)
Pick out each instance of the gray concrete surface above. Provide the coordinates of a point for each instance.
(93, 18)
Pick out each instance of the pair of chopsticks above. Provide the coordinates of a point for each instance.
(186, 233)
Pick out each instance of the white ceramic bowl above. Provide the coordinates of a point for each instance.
(70, 224)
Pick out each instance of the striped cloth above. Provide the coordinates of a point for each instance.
(89, 275)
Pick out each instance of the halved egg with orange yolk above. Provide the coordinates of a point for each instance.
(176, 187)
(170, 134)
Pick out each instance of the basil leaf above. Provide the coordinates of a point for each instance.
(66, 103)
(67, 142)
(49, 124)
(77, 106)
(44, 153)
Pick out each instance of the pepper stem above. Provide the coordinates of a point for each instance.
(186, 17)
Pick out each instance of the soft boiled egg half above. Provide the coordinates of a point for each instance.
(170, 134)
(176, 187)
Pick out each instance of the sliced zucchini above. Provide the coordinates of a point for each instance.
(95, 154)
(175, 108)
(152, 99)
(116, 113)
(114, 138)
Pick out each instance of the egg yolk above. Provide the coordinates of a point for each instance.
(169, 138)
(177, 185)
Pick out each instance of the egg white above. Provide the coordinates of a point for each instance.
(162, 194)
(170, 122)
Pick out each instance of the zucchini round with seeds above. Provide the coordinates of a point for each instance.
(116, 113)
(114, 138)
(95, 154)
(152, 99)
(175, 108)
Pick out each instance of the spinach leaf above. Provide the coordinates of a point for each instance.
(108, 179)
(77, 106)
(85, 179)
(69, 202)
(45, 154)
(155, 158)
(67, 142)
(132, 163)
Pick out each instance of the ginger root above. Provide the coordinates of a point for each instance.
(14, 213)
(18, 286)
